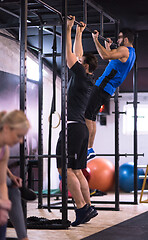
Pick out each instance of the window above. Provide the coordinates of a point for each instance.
(33, 69)
(142, 119)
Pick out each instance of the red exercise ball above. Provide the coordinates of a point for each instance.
(60, 186)
(102, 174)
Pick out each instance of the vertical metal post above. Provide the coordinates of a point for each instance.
(49, 153)
(101, 24)
(40, 118)
(64, 114)
(116, 140)
(135, 70)
(116, 150)
(85, 11)
(23, 82)
(54, 68)
(53, 107)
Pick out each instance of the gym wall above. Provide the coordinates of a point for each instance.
(9, 100)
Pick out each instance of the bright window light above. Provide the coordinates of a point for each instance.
(142, 119)
(33, 70)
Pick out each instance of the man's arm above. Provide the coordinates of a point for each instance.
(78, 48)
(119, 53)
(71, 58)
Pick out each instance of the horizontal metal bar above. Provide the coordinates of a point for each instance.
(36, 156)
(34, 48)
(131, 103)
(141, 166)
(93, 202)
(51, 55)
(71, 207)
(58, 156)
(121, 154)
(142, 177)
(49, 30)
(43, 156)
(92, 31)
(132, 203)
(59, 13)
(120, 112)
(111, 202)
(30, 25)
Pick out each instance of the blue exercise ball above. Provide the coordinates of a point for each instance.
(126, 177)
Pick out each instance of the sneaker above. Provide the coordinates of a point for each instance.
(90, 153)
(82, 214)
(93, 214)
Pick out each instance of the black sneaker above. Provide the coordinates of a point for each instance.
(82, 214)
(93, 214)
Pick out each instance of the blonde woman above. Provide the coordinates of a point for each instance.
(14, 126)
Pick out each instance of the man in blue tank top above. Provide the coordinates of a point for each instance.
(121, 61)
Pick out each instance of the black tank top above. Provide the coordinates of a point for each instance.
(79, 90)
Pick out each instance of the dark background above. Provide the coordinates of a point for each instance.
(132, 14)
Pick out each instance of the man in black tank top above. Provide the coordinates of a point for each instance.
(79, 89)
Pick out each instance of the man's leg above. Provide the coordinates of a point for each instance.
(92, 131)
(79, 189)
(74, 187)
(86, 195)
(83, 185)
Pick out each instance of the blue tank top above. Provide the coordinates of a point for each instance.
(116, 72)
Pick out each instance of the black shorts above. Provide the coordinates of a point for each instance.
(77, 144)
(97, 98)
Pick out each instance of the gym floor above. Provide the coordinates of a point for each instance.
(105, 218)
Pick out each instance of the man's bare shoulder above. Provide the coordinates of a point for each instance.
(122, 48)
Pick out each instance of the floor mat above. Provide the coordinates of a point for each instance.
(135, 228)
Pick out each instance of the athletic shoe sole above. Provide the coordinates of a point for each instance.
(90, 156)
(93, 214)
(88, 215)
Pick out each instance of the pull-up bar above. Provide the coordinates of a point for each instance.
(76, 22)
(91, 31)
